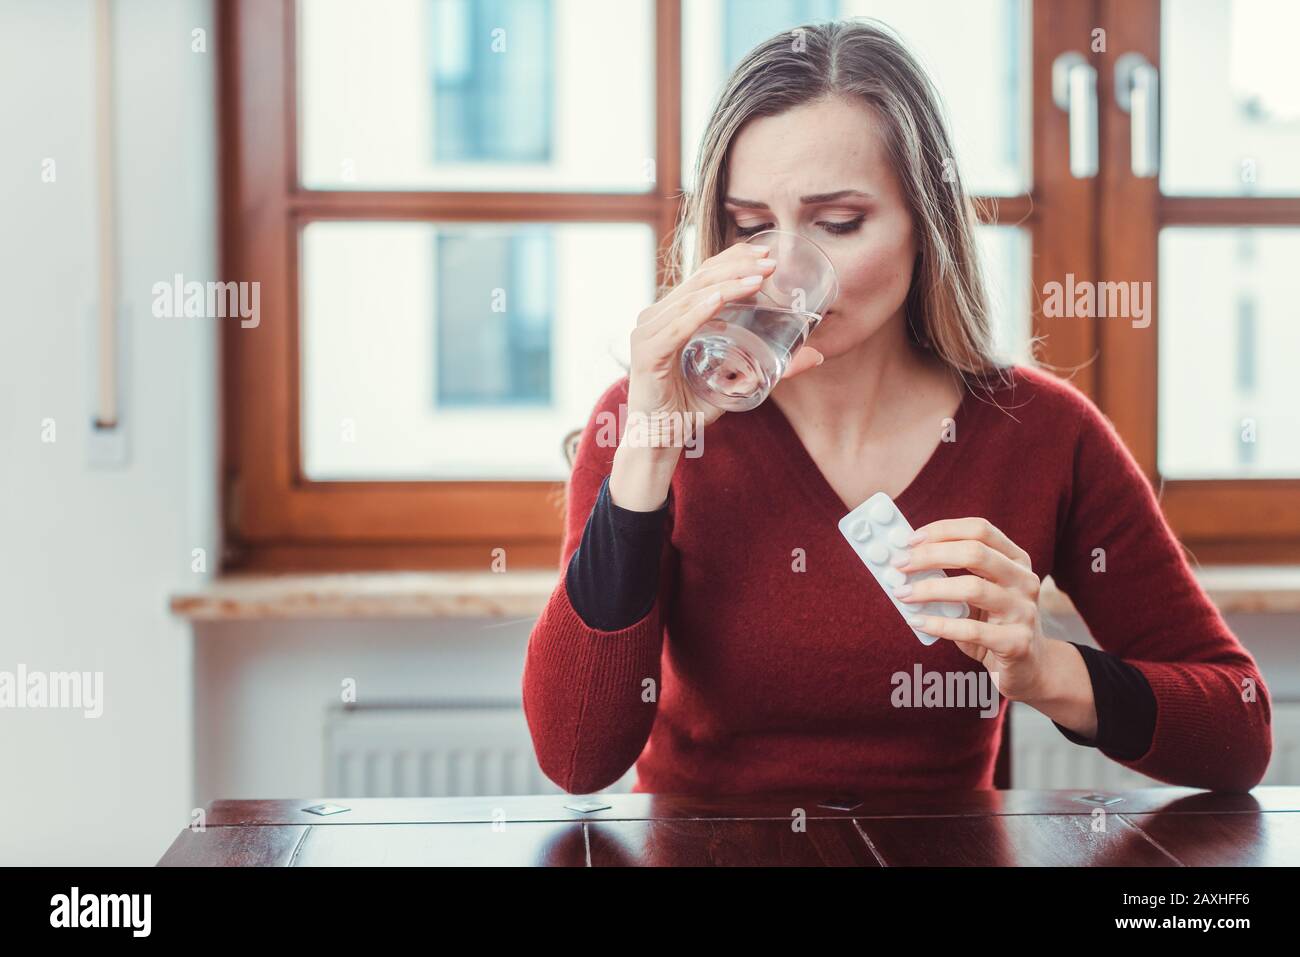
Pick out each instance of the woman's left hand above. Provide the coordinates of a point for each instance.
(1003, 632)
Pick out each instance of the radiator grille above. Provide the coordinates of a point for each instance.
(468, 750)
(1041, 757)
(434, 751)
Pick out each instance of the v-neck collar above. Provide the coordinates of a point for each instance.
(808, 474)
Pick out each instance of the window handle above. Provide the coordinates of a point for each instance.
(1137, 91)
(1074, 88)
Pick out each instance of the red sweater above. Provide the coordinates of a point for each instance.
(754, 672)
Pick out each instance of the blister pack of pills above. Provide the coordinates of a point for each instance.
(878, 532)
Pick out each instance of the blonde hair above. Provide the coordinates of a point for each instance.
(861, 60)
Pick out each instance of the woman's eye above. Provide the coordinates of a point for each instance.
(848, 226)
(836, 229)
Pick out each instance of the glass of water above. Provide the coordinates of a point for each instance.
(735, 358)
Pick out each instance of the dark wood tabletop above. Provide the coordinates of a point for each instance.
(1162, 827)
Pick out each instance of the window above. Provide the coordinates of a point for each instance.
(456, 208)
(453, 210)
(478, 95)
(1228, 410)
(1206, 395)
(444, 350)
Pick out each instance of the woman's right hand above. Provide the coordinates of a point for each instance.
(657, 389)
(658, 397)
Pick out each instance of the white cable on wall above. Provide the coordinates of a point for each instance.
(106, 414)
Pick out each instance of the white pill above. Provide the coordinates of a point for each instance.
(877, 553)
(861, 530)
(882, 513)
(898, 537)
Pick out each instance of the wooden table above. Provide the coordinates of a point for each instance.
(1151, 827)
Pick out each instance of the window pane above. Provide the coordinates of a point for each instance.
(1005, 254)
(476, 94)
(1230, 97)
(461, 351)
(1229, 394)
(976, 52)
(488, 107)
(495, 352)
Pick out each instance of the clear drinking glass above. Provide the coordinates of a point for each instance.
(735, 359)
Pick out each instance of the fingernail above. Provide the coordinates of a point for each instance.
(716, 297)
(902, 591)
(761, 250)
(916, 538)
(916, 621)
(751, 280)
(820, 358)
(898, 561)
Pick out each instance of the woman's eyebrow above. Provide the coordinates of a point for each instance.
(806, 200)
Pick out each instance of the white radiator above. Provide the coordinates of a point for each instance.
(1041, 757)
(436, 751)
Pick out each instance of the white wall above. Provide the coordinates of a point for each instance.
(88, 557)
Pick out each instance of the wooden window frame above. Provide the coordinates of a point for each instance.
(276, 519)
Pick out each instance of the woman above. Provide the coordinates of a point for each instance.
(712, 624)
